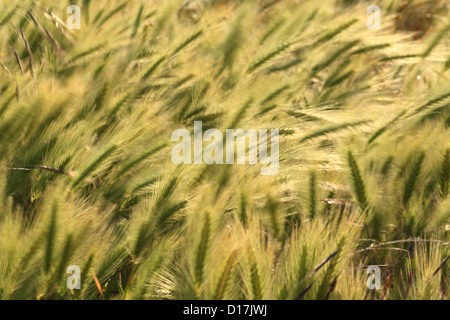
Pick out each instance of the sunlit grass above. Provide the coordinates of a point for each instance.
(86, 118)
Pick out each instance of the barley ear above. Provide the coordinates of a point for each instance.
(202, 251)
(445, 174)
(223, 282)
(358, 184)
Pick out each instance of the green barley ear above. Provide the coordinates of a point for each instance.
(358, 183)
(275, 94)
(137, 22)
(167, 189)
(243, 209)
(431, 102)
(272, 29)
(233, 43)
(331, 257)
(269, 56)
(411, 181)
(29, 255)
(312, 195)
(66, 253)
(446, 65)
(94, 165)
(112, 13)
(333, 33)
(223, 282)
(328, 280)
(441, 34)
(287, 65)
(188, 41)
(169, 212)
(333, 56)
(240, 114)
(255, 279)
(86, 6)
(272, 208)
(50, 238)
(202, 251)
(381, 130)
(5, 105)
(370, 48)
(134, 162)
(332, 129)
(153, 68)
(143, 238)
(445, 174)
(85, 272)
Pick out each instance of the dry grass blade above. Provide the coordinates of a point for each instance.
(440, 267)
(19, 63)
(332, 288)
(387, 284)
(30, 54)
(99, 286)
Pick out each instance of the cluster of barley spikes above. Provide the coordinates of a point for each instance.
(86, 118)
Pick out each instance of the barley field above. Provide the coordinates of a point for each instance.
(87, 180)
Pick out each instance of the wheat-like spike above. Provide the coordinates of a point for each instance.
(66, 253)
(446, 65)
(276, 26)
(333, 56)
(240, 114)
(256, 281)
(338, 80)
(94, 165)
(275, 94)
(232, 44)
(445, 174)
(269, 56)
(358, 183)
(337, 127)
(85, 271)
(411, 181)
(435, 41)
(313, 272)
(201, 253)
(272, 208)
(168, 212)
(431, 102)
(287, 65)
(113, 12)
(327, 280)
(153, 68)
(50, 238)
(381, 130)
(312, 195)
(243, 209)
(333, 33)
(137, 22)
(133, 163)
(224, 278)
(186, 42)
(166, 191)
(86, 53)
(370, 48)
(7, 102)
(400, 57)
